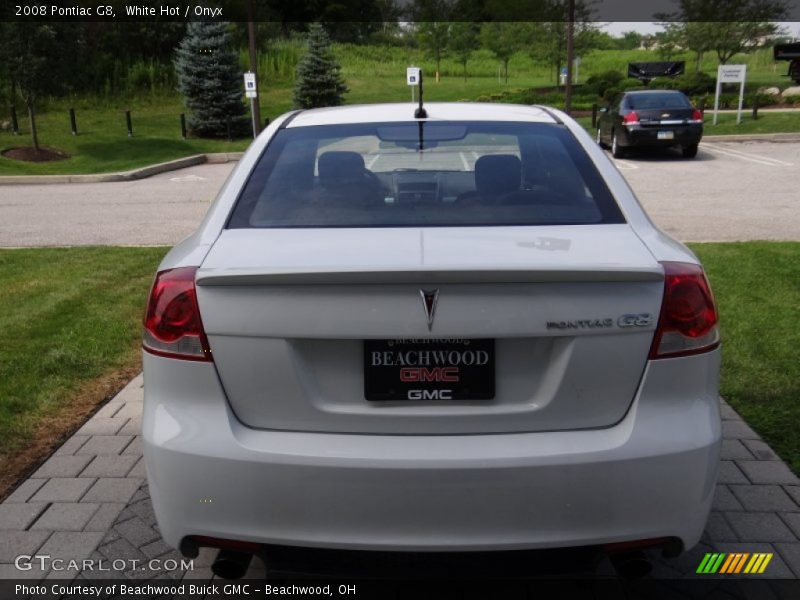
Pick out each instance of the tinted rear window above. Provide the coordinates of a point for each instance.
(424, 174)
(657, 100)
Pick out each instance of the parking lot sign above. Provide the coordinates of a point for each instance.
(730, 74)
(250, 85)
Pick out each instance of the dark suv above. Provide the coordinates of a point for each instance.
(660, 118)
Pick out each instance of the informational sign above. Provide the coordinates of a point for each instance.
(250, 85)
(730, 74)
(412, 76)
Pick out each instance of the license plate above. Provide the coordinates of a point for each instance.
(428, 370)
(666, 135)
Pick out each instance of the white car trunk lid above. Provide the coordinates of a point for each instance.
(287, 326)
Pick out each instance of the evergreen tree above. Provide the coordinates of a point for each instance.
(210, 79)
(319, 79)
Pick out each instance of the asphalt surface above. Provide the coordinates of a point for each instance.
(731, 191)
(159, 210)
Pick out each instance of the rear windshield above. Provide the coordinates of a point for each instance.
(657, 100)
(419, 174)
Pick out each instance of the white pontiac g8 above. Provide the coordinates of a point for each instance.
(459, 332)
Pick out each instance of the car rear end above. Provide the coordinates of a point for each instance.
(660, 118)
(539, 372)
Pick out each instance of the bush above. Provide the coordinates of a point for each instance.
(600, 82)
(696, 83)
(752, 98)
(662, 83)
(623, 86)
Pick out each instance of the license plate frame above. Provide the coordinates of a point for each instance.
(457, 369)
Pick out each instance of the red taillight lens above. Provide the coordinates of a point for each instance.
(631, 118)
(697, 116)
(688, 321)
(172, 325)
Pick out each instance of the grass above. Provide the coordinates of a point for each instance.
(373, 74)
(102, 144)
(757, 287)
(67, 317)
(766, 123)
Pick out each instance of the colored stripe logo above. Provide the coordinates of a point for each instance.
(734, 563)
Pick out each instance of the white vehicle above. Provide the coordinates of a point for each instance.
(454, 333)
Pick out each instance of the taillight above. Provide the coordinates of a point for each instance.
(172, 325)
(697, 116)
(688, 321)
(631, 118)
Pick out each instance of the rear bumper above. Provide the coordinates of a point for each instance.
(651, 475)
(683, 135)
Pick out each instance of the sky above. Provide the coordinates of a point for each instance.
(618, 27)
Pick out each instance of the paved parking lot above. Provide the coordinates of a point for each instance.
(731, 191)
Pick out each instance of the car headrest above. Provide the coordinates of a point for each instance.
(497, 174)
(340, 167)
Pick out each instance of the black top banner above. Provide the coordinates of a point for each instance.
(400, 10)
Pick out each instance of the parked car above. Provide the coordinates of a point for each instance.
(650, 118)
(452, 333)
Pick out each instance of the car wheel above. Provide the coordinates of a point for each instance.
(689, 151)
(616, 150)
(598, 139)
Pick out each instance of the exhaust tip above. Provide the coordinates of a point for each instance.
(631, 565)
(231, 564)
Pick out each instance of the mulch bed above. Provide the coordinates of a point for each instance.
(28, 153)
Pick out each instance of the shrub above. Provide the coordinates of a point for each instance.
(694, 83)
(662, 83)
(600, 82)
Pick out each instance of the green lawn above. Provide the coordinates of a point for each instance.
(373, 74)
(67, 316)
(757, 287)
(70, 315)
(102, 144)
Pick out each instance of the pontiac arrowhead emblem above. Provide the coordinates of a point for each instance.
(429, 298)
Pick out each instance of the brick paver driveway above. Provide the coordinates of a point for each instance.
(90, 500)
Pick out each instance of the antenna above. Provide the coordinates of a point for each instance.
(420, 113)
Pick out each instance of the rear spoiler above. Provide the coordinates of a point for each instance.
(646, 71)
(322, 276)
(786, 51)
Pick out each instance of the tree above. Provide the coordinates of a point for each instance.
(319, 80)
(547, 40)
(502, 39)
(34, 60)
(630, 40)
(748, 23)
(210, 79)
(463, 39)
(433, 38)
